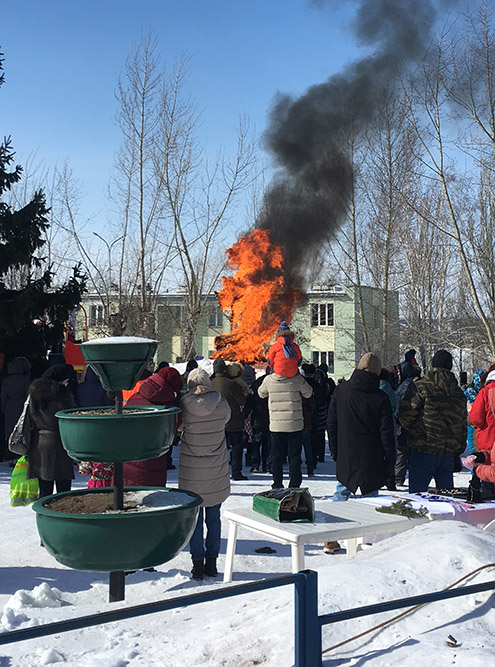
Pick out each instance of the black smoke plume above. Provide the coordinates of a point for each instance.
(307, 137)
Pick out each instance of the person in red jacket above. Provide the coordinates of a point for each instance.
(162, 388)
(284, 356)
(482, 414)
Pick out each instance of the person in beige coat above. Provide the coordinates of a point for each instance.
(204, 465)
(286, 423)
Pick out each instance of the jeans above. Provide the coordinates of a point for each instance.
(423, 467)
(259, 449)
(308, 451)
(46, 486)
(235, 441)
(342, 493)
(291, 441)
(210, 547)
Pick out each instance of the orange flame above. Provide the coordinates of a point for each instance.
(256, 297)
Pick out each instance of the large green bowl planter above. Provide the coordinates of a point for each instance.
(130, 436)
(117, 541)
(120, 360)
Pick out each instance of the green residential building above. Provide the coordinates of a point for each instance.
(328, 326)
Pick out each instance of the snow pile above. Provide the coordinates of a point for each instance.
(41, 596)
(256, 628)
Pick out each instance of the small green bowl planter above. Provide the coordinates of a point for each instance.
(139, 433)
(118, 361)
(119, 541)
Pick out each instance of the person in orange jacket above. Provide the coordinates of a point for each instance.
(284, 356)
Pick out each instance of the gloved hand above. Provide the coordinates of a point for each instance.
(469, 462)
(474, 489)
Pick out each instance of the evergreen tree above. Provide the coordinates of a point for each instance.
(26, 284)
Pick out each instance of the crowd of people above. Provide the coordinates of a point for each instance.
(383, 425)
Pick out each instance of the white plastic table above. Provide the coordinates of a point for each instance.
(351, 521)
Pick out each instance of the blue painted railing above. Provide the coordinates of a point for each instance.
(308, 624)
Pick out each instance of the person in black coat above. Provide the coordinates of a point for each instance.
(361, 431)
(259, 447)
(48, 460)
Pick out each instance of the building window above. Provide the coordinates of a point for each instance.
(322, 314)
(324, 358)
(215, 319)
(96, 315)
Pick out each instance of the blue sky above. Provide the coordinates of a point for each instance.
(62, 59)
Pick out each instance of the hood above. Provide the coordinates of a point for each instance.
(18, 366)
(202, 401)
(44, 390)
(444, 379)
(91, 378)
(156, 390)
(219, 366)
(364, 381)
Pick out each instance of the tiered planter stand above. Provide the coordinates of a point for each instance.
(117, 541)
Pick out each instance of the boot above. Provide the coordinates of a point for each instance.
(211, 567)
(198, 570)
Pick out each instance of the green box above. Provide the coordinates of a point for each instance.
(286, 505)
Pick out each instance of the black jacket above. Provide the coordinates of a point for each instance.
(257, 407)
(361, 433)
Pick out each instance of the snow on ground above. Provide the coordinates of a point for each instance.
(253, 629)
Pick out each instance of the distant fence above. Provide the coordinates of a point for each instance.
(307, 623)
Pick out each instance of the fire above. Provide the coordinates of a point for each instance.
(256, 297)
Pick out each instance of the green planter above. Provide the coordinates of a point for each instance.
(120, 360)
(117, 542)
(129, 436)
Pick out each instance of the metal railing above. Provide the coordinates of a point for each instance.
(307, 623)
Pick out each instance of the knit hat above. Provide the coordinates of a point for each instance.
(284, 330)
(309, 369)
(371, 363)
(442, 359)
(198, 376)
(58, 372)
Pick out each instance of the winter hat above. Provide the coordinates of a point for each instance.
(410, 356)
(492, 368)
(191, 364)
(284, 330)
(309, 369)
(198, 376)
(234, 370)
(490, 377)
(442, 359)
(219, 366)
(172, 377)
(371, 363)
(58, 372)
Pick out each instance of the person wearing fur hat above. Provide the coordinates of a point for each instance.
(162, 388)
(361, 431)
(204, 466)
(284, 356)
(48, 460)
(433, 411)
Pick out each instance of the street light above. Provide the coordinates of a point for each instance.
(109, 248)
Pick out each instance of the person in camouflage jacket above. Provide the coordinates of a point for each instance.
(433, 410)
